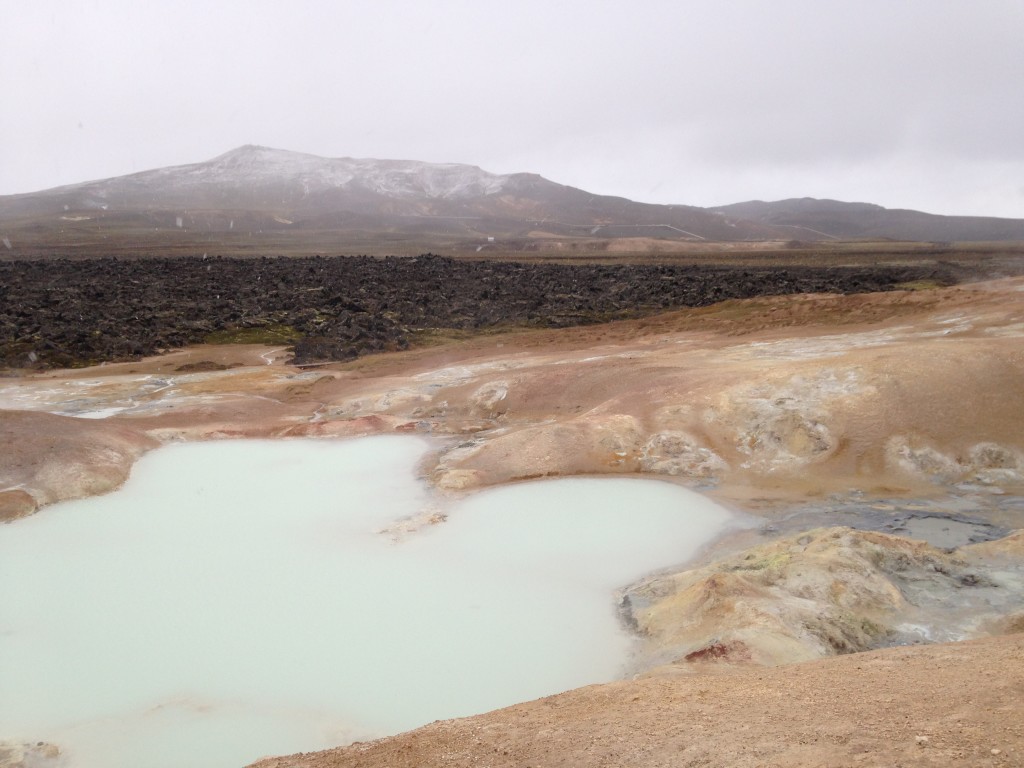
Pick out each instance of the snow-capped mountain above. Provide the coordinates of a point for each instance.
(262, 189)
(262, 166)
(305, 191)
(264, 178)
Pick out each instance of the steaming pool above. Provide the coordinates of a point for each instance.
(237, 599)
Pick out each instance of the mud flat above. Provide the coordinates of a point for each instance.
(877, 439)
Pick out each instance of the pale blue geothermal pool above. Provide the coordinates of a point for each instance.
(236, 599)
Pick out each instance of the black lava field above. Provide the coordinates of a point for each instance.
(61, 313)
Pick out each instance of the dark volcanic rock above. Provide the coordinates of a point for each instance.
(58, 313)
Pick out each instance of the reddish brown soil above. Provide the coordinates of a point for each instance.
(942, 705)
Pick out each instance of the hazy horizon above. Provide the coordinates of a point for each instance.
(908, 105)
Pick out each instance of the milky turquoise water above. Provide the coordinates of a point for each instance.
(235, 599)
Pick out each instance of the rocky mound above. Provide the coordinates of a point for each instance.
(824, 592)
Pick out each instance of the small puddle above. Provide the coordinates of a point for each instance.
(236, 599)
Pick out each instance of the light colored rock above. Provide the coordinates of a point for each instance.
(985, 463)
(827, 591)
(22, 755)
(788, 420)
(679, 453)
(488, 401)
(456, 479)
(911, 455)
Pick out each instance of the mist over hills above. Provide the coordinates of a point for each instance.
(256, 189)
(839, 220)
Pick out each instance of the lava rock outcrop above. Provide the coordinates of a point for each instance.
(62, 313)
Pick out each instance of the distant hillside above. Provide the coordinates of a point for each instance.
(255, 199)
(810, 219)
(295, 190)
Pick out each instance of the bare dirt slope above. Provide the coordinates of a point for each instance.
(940, 705)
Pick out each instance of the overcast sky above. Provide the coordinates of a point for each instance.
(906, 103)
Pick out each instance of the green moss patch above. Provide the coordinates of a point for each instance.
(263, 334)
(920, 285)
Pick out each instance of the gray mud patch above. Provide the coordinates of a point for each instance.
(946, 523)
(946, 533)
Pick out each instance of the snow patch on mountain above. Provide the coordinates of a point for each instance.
(262, 166)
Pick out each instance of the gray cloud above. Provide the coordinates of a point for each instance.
(906, 103)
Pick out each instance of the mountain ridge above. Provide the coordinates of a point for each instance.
(852, 220)
(374, 195)
(283, 189)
